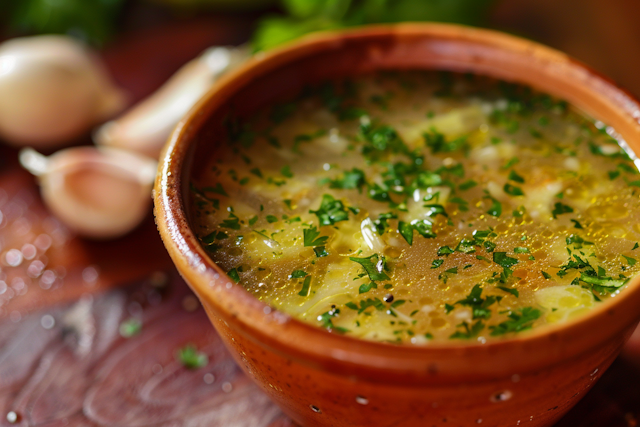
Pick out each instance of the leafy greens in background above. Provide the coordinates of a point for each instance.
(89, 20)
(306, 16)
(94, 20)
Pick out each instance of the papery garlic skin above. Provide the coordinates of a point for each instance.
(146, 127)
(101, 193)
(52, 89)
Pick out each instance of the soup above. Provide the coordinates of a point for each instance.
(422, 206)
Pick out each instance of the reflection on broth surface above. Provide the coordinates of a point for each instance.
(420, 206)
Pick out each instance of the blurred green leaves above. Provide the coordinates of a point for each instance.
(90, 20)
(306, 16)
(94, 20)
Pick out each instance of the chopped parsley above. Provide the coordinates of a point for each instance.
(320, 251)
(519, 320)
(496, 207)
(406, 231)
(217, 189)
(630, 261)
(233, 222)
(512, 291)
(311, 237)
(511, 162)
(286, 172)
(366, 287)
(233, 274)
(468, 332)
(191, 358)
(438, 143)
(374, 267)
(467, 185)
(503, 260)
(130, 327)
(560, 209)
(513, 176)
(479, 306)
(298, 274)
(306, 285)
(577, 224)
(513, 190)
(352, 179)
(326, 319)
(331, 211)
(445, 250)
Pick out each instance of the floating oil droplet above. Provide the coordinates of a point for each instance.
(393, 252)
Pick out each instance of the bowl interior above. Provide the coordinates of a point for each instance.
(280, 75)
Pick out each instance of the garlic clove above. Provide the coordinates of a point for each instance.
(100, 192)
(52, 90)
(146, 127)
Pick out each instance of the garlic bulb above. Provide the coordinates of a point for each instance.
(97, 192)
(146, 127)
(52, 89)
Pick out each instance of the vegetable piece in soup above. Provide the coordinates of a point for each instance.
(422, 206)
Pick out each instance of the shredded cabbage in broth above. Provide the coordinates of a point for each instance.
(422, 206)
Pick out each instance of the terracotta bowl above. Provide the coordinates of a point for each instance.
(324, 379)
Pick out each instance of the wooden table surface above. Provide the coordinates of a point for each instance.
(63, 361)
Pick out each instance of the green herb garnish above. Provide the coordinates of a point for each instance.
(519, 320)
(130, 327)
(513, 190)
(191, 358)
(233, 275)
(304, 292)
(331, 211)
(503, 260)
(374, 267)
(298, 274)
(352, 179)
(560, 209)
(233, 222)
(468, 332)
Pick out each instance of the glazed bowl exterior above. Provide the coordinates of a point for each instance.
(324, 379)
